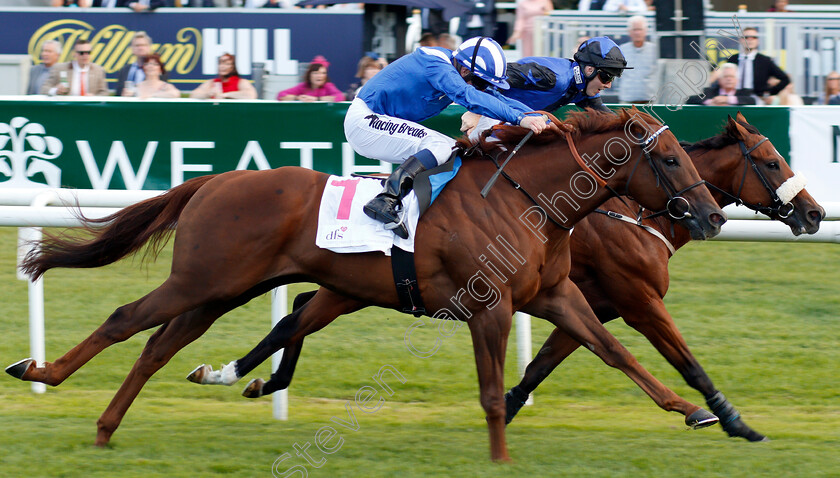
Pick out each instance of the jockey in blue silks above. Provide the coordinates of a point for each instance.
(545, 83)
(381, 123)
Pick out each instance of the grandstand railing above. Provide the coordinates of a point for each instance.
(805, 45)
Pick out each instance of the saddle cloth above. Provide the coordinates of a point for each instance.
(344, 228)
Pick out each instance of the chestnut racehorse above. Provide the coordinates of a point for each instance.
(632, 286)
(243, 233)
(739, 166)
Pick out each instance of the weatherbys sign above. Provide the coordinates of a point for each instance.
(134, 144)
(190, 42)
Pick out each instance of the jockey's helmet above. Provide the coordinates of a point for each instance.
(603, 54)
(485, 59)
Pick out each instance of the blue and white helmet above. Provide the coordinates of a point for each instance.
(485, 59)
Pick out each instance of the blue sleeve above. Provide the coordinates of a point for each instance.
(447, 80)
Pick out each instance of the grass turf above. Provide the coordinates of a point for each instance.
(761, 318)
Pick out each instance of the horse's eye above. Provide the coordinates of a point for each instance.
(671, 161)
(773, 166)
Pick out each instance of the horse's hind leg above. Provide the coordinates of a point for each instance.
(160, 348)
(658, 326)
(156, 308)
(567, 308)
(314, 315)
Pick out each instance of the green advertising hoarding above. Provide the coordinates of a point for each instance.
(130, 144)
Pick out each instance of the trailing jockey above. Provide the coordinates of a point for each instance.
(545, 83)
(382, 122)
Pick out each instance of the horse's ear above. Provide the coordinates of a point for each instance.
(736, 130)
(740, 117)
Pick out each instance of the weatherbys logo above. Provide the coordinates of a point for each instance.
(111, 46)
(25, 152)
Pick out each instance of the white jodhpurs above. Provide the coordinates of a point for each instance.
(391, 139)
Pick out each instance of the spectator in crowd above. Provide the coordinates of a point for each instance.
(754, 69)
(639, 84)
(428, 39)
(786, 97)
(50, 51)
(625, 6)
(71, 3)
(523, 28)
(141, 47)
(153, 84)
(368, 67)
(316, 85)
(227, 85)
(779, 6)
(444, 40)
(587, 5)
(726, 91)
(480, 20)
(77, 78)
(141, 5)
(831, 95)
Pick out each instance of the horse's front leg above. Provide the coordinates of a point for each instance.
(566, 307)
(655, 323)
(489, 331)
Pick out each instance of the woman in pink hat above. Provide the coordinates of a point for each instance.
(316, 85)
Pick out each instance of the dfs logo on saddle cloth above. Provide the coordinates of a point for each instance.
(25, 155)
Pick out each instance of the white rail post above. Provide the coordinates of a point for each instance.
(523, 345)
(279, 309)
(27, 236)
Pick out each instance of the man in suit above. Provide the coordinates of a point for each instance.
(50, 51)
(141, 47)
(726, 92)
(77, 78)
(754, 69)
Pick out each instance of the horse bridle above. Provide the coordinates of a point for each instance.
(677, 206)
(777, 207)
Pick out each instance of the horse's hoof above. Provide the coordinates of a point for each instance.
(254, 388)
(19, 368)
(701, 419)
(199, 373)
(737, 428)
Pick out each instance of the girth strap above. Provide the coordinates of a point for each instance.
(405, 278)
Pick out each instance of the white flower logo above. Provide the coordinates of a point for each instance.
(29, 154)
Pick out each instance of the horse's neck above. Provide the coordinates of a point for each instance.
(547, 174)
(716, 168)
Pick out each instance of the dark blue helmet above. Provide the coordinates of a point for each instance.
(603, 54)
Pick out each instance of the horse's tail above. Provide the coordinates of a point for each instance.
(115, 236)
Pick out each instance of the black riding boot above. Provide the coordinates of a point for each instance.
(383, 207)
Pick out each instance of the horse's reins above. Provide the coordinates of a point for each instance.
(673, 207)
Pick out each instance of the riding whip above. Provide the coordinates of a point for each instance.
(486, 189)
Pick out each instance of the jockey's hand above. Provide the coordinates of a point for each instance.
(469, 121)
(535, 123)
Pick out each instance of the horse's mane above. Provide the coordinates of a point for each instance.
(577, 123)
(728, 137)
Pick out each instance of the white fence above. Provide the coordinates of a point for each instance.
(31, 209)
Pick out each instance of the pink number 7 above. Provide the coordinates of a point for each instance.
(349, 186)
